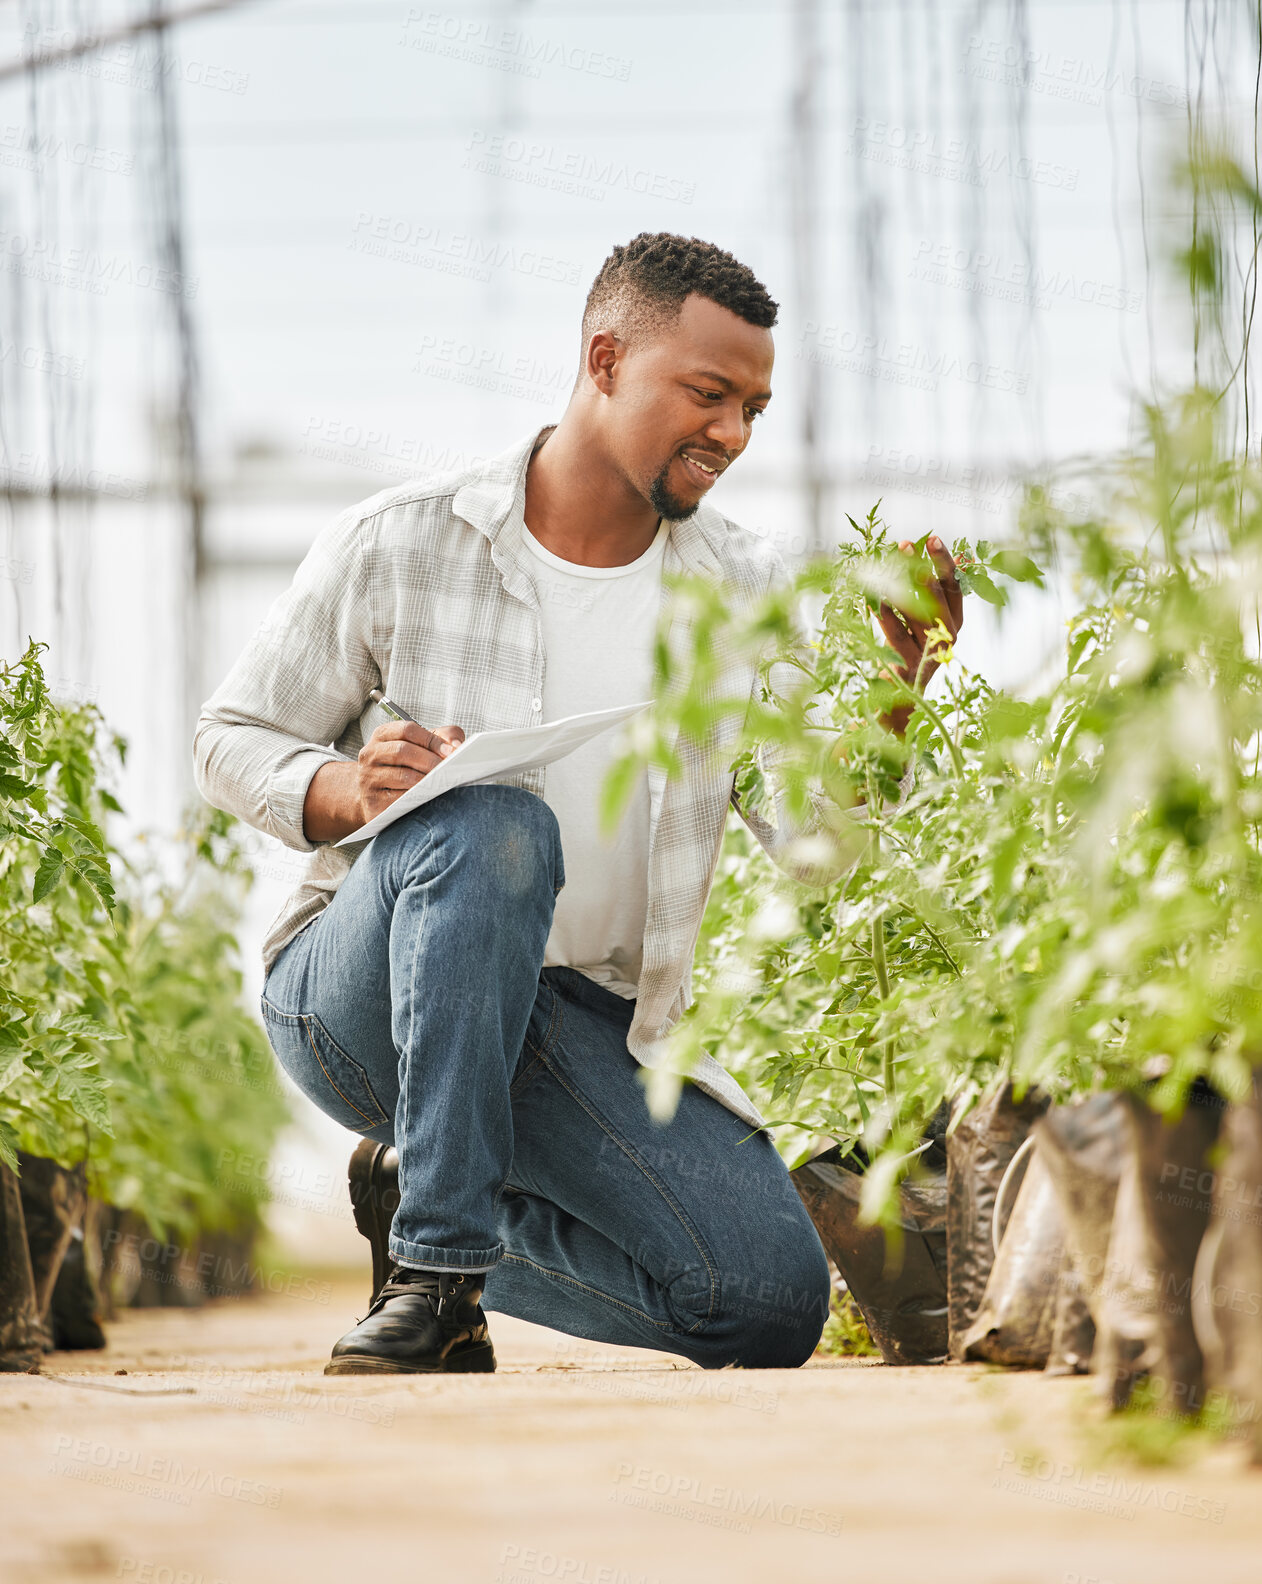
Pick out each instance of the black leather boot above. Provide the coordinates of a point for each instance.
(420, 1323)
(373, 1176)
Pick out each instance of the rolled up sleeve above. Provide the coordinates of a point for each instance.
(296, 686)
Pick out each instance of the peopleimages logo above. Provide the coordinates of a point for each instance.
(482, 42)
(40, 360)
(939, 478)
(721, 1506)
(84, 269)
(1069, 77)
(336, 440)
(901, 362)
(24, 149)
(130, 64)
(529, 1565)
(537, 163)
(1014, 280)
(16, 571)
(1118, 1495)
(146, 1572)
(953, 159)
(492, 369)
(153, 1474)
(406, 241)
(38, 474)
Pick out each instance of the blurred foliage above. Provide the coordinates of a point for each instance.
(1069, 893)
(122, 1036)
(846, 1333)
(1155, 1434)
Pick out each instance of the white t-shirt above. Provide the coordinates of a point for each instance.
(598, 629)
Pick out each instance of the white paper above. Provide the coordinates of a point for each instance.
(487, 756)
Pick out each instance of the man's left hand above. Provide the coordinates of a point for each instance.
(917, 640)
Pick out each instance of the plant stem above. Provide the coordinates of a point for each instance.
(881, 969)
(921, 702)
(883, 979)
(942, 947)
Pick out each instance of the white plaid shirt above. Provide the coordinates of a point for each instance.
(424, 592)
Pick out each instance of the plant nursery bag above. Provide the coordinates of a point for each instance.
(1172, 1199)
(1227, 1286)
(1073, 1329)
(1015, 1321)
(980, 1147)
(53, 1202)
(902, 1300)
(21, 1335)
(1088, 1149)
(1083, 1146)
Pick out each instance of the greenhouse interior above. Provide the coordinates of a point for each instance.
(728, 1007)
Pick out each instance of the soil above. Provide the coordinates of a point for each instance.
(224, 1454)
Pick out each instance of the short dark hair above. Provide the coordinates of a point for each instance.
(642, 286)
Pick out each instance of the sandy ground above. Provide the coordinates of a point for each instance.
(223, 1454)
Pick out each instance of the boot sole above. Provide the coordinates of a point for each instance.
(478, 1360)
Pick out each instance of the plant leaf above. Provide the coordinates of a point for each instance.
(48, 873)
(12, 786)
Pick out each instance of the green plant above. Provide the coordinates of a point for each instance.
(1068, 895)
(194, 1075)
(122, 1037)
(1149, 1432)
(846, 1333)
(814, 996)
(56, 892)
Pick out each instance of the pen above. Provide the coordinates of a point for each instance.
(390, 707)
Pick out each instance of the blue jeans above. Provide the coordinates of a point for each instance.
(415, 1011)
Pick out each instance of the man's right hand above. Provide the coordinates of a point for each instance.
(342, 797)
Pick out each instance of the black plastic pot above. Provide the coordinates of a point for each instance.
(1073, 1329)
(1174, 1196)
(76, 1315)
(53, 1202)
(1134, 1194)
(980, 1147)
(1015, 1321)
(901, 1293)
(21, 1336)
(1083, 1147)
(1227, 1286)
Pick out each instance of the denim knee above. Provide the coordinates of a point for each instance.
(772, 1317)
(502, 838)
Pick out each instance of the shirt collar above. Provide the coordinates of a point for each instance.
(497, 491)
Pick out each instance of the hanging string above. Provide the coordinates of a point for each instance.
(1029, 339)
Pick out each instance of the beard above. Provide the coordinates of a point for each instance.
(663, 500)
